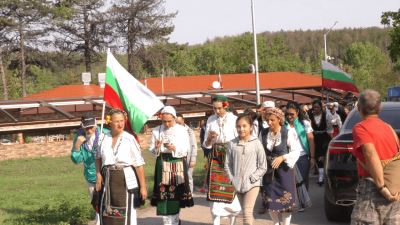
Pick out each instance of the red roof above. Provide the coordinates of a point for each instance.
(233, 81)
(69, 91)
(192, 83)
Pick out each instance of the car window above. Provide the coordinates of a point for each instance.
(388, 116)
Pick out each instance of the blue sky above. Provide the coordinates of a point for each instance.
(199, 20)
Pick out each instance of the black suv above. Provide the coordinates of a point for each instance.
(341, 177)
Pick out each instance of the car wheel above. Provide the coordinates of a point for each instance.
(336, 212)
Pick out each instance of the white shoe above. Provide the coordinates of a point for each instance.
(302, 209)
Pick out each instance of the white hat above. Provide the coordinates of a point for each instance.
(268, 104)
(170, 110)
(329, 104)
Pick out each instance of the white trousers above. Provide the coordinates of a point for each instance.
(91, 187)
(171, 219)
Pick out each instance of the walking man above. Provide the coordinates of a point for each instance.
(192, 154)
(83, 149)
(374, 140)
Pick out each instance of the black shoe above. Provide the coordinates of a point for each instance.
(320, 183)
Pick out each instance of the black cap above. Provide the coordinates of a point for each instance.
(88, 120)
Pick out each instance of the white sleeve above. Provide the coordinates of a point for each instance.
(154, 137)
(339, 122)
(294, 150)
(208, 128)
(254, 132)
(182, 146)
(136, 154)
(307, 126)
(329, 127)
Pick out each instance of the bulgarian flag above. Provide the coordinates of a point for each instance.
(123, 91)
(333, 77)
(220, 81)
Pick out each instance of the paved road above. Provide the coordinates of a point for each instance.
(200, 213)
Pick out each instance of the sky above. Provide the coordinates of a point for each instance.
(199, 20)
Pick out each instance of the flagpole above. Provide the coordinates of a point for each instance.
(102, 116)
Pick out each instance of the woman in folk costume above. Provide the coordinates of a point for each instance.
(334, 119)
(122, 176)
(170, 144)
(282, 151)
(323, 133)
(221, 128)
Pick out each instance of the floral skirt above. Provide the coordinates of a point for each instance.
(220, 188)
(280, 195)
(170, 198)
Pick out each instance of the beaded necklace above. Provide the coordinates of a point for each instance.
(221, 124)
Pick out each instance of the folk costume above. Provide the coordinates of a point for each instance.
(280, 194)
(221, 193)
(118, 203)
(171, 183)
(322, 129)
(335, 121)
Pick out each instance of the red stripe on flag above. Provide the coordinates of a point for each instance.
(112, 98)
(345, 86)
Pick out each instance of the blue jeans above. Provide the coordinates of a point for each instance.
(303, 163)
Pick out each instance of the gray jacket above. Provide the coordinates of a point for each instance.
(192, 154)
(245, 164)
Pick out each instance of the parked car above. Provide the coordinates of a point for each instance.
(6, 142)
(341, 175)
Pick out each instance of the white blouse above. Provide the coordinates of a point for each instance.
(125, 152)
(308, 128)
(293, 144)
(177, 135)
(335, 120)
(225, 127)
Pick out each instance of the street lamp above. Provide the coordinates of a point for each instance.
(326, 56)
(255, 53)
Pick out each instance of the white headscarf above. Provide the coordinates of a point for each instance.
(170, 110)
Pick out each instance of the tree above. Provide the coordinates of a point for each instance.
(81, 27)
(27, 26)
(393, 19)
(4, 28)
(137, 23)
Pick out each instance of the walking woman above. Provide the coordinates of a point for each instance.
(220, 130)
(245, 164)
(120, 154)
(301, 127)
(282, 151)
(323, 132)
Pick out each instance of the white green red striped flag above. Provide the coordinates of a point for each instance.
(123, 91)
(333, 77)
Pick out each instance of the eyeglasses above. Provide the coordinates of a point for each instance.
(289, 114)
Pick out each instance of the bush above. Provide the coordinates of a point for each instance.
(28, 139)
(66, 210)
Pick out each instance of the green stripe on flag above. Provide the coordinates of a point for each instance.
(136, 116)
(332, 75)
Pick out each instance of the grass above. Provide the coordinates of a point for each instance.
(54, 190)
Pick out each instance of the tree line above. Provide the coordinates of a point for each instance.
(52, 43)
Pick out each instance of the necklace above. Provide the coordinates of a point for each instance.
(221, 124)
(115, 152)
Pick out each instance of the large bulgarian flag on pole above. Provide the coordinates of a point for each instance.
(333, 77)
(123, 91)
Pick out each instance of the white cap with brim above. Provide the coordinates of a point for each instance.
(268, 104)
(170, 110)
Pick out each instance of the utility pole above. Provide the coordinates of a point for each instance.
(255, 53)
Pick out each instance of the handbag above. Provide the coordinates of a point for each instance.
(391, 168)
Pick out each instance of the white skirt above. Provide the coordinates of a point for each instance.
(226, 210)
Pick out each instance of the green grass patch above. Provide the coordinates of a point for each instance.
(54, 190)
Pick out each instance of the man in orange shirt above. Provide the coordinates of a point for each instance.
(373, 141)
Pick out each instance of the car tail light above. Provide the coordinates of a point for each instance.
(337, 148)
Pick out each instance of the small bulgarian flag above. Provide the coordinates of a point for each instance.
(123, 91)
(333, 77)
(220, 81)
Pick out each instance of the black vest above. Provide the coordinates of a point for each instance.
(279, 150)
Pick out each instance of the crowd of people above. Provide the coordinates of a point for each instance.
(268, 152)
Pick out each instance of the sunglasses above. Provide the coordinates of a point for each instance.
(289, 115)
